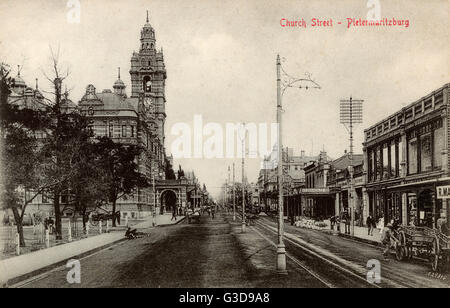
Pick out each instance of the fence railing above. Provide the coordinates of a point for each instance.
(40, 236)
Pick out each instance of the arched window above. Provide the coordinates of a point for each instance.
(147, 84)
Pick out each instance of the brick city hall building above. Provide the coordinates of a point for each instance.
(138, 119)
(407, 162)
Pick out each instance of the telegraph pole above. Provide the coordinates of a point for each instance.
(228, 191)
(225, 198)
(234, 197)
(351, 114)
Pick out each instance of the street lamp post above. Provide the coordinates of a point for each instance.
(282, 85)
(154, 203)
(281, 250)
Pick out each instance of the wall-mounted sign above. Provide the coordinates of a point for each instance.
(443, 192)
(324, 190)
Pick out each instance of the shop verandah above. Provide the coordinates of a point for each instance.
(412, 204)
(318, 206)
(317, 203)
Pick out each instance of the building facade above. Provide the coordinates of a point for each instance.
(138, 119)
(294, 179)
(407, 160)
(338, 182)
(317, 200)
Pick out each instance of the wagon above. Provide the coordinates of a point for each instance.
(441, 258)
(422, 242)
(194, 217)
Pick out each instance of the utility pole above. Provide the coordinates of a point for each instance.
(225, 197)
(243, 167)
(154, 203)
(351, 114)
(281, 250)
(228, 191)
(234, 197)
(287, 82)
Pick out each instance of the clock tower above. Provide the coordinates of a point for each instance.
(148, 75)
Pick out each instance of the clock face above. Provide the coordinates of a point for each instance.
(148, 105)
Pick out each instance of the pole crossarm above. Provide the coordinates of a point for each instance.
(287, 81)
(351, 114)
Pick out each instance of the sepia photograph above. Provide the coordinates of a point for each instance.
(226, 150)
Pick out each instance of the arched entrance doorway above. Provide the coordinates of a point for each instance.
(425, 208)
(168, 201)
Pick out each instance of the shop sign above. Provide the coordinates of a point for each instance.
(443, 192)
(315, 190)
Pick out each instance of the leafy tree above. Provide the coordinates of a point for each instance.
(64, 154)
(87, 186)
(120, 168)
(19, 153)
(65, 147)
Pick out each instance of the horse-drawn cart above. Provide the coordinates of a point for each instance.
(193, 217)
(422, 242)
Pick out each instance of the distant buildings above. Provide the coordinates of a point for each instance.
(294, 179)
(401, 175)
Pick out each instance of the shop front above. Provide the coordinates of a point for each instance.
(411, 204)
(318, 203)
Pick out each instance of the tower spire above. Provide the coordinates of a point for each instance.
(37, 84)
(119, 73)
(147, 16)
(18, 70)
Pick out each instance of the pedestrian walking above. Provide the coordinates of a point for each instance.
(370, 222)
(174, 214)
(347, 222)
(332, 222)
(386, 240)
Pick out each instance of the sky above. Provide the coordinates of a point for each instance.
(220, 58)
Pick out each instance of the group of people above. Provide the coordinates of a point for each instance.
(345, 218)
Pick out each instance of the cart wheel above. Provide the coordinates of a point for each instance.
(409, 252)
(399, 251)
(435, 255)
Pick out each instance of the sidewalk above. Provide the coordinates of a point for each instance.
(161, 220)
(360, 233)
(19, 266)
